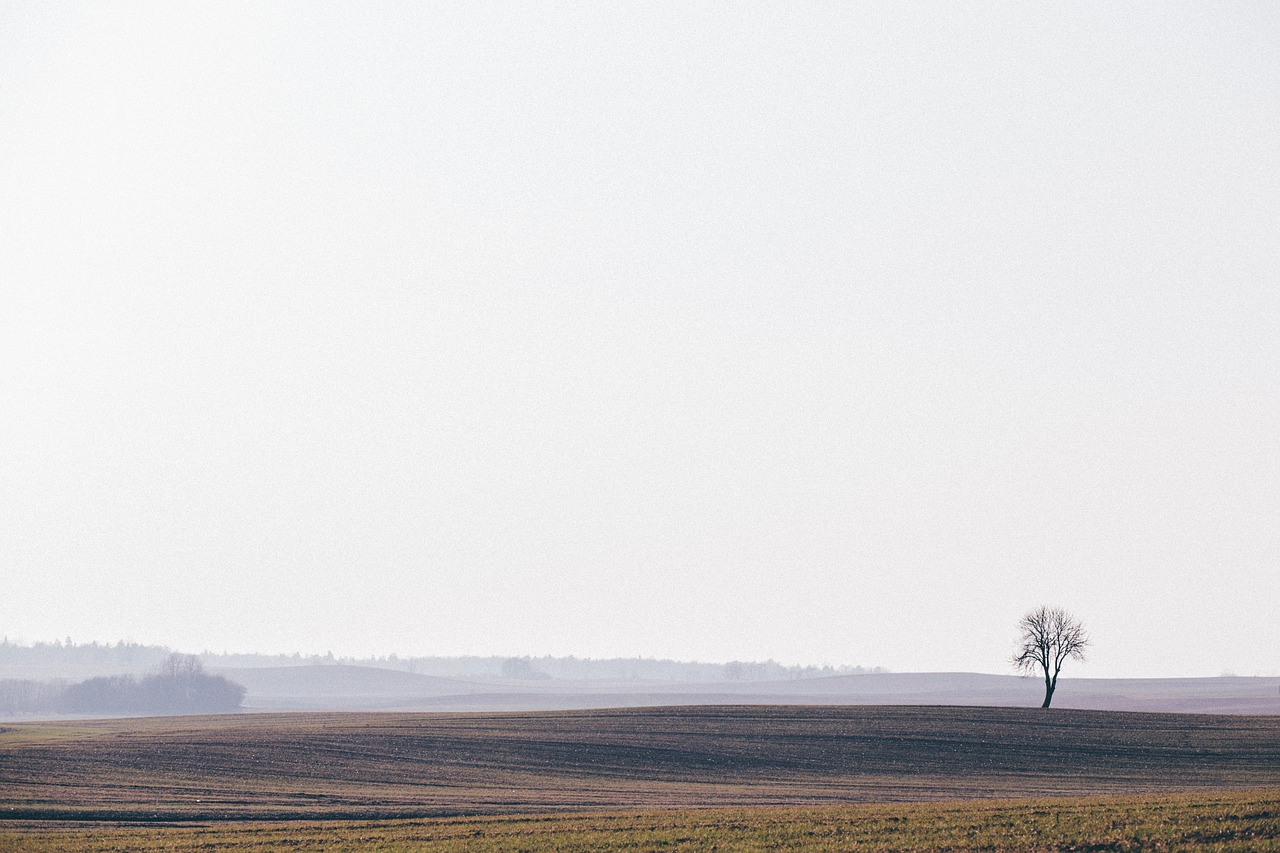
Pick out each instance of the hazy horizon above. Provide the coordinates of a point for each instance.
(806, 332)
(51, 649)
(328, 657)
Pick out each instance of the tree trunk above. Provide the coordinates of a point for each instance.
(1048, 694)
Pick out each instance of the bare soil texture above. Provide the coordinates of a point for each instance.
(382, 766)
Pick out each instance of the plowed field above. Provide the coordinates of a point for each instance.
(411, 765)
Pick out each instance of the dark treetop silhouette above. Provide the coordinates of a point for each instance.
(1050, 635)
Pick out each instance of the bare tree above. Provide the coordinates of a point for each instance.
(1050, 635)
(182, 667)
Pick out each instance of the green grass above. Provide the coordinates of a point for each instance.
(1227, 822)
(32, 734)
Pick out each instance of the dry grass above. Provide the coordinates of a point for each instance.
(1227, 822)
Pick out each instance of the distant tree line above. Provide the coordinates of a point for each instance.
(180, 686)
(26, 696)
(121, 655)
(547, 666)
(612, 669)
(527, 667)
(123, 658)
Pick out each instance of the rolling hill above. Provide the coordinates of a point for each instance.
(360, 688)
(398, 765)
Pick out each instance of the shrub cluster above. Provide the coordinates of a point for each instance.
(180, 687)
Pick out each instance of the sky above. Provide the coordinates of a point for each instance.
(824, 332)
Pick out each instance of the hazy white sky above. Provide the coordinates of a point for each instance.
(836, 332)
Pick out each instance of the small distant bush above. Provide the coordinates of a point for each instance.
(521, 668)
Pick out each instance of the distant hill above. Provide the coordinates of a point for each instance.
(325, 683)
(340, 687)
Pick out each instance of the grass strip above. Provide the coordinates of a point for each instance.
(1236, 821)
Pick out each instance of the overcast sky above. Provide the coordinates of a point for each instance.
(823, 332)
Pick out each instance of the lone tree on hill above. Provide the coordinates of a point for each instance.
(1050, 635)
